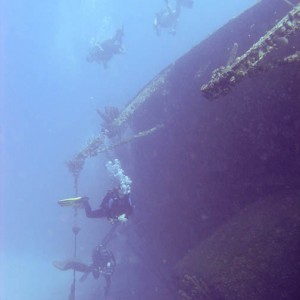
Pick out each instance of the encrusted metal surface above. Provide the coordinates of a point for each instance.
(224, 78)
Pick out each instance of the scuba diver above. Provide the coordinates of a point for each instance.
(116, 205)
(167, 18)
(103, 52)
(103, 263)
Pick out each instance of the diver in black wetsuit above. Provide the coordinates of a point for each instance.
(103, 263)
(167, 18)
(103, 52)
(115, 206)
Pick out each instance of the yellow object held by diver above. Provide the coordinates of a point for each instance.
(74, 202)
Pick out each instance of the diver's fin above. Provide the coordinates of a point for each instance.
(61, 265)
(84, 276)
(77, 201)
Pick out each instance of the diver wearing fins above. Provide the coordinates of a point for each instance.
(116, 205)
(103, 263)
(103, 52)
(167, 18)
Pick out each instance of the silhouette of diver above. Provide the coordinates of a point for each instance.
(103, 263)
(114, 207)
(167, 17)
(103, 52)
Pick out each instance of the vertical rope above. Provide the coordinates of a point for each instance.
(76, 186)
(75, 166)
(75, 230)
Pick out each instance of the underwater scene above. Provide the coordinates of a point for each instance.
(150, 150)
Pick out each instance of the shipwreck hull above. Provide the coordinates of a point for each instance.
(220, 176)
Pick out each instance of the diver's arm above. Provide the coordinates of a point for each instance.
(97, 213)
(72, 264)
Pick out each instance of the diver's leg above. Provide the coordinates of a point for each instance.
(61, 265)
(71, 264)
(98, 213)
